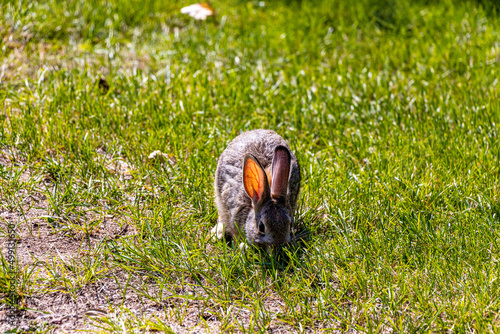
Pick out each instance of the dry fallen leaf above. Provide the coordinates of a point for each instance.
(103, 85)
(95, 312)
(119, 166)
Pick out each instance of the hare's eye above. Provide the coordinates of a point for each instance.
(262, 228)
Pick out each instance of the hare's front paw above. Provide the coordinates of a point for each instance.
(218, 231)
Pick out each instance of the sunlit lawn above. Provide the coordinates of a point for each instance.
(390, 106)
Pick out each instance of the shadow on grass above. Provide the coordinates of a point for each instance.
(283, 258)
(286, 257)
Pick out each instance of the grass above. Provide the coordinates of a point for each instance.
(392, 108)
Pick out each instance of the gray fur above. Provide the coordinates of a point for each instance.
(237, 213)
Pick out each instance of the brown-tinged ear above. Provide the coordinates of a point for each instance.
(280, 172)
(255, 180)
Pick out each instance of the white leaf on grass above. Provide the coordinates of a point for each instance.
(162, 157)
(199, 11)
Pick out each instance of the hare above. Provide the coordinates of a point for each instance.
(257, 183)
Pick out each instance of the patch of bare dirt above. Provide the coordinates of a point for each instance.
(41, 239)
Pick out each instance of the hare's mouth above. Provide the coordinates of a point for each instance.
(264, 240)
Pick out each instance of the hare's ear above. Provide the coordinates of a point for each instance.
(280, 172)
(255, 180)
